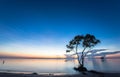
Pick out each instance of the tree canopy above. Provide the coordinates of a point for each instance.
(86, 41)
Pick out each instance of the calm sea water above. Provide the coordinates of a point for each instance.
(57, 65)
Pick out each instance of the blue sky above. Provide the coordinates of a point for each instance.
(44, 27)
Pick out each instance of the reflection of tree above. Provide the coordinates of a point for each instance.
(3, 61)
(103, 59)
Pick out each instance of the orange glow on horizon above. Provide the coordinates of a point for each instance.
(114, 55)
(29, 55)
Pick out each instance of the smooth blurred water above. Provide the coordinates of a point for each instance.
(57, 65)
(104, 65)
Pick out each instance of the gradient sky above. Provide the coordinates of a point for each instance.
(44, 27)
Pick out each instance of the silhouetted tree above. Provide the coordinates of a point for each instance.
(86, 41)
(73, 44)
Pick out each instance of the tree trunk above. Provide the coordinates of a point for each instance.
(83, 57)
(78, 55)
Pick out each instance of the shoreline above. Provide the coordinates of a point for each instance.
(84, 74)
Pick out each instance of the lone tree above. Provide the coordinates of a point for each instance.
(86, 42)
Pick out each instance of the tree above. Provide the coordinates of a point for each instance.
(86, 42)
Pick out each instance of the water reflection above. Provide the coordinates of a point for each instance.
(95, 64)
(38, 65)
(57, 65)
(3, 61)
(106, 65)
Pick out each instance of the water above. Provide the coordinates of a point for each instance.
(38, 65)
(57, 66)
(105, 65)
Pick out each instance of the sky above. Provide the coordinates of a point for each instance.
(42, 28)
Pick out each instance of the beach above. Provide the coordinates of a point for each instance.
(87, 74)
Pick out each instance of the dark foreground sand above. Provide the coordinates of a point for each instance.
(87, 74)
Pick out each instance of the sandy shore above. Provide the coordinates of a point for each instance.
(87, 74)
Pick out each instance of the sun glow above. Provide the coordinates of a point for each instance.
(32, 51)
